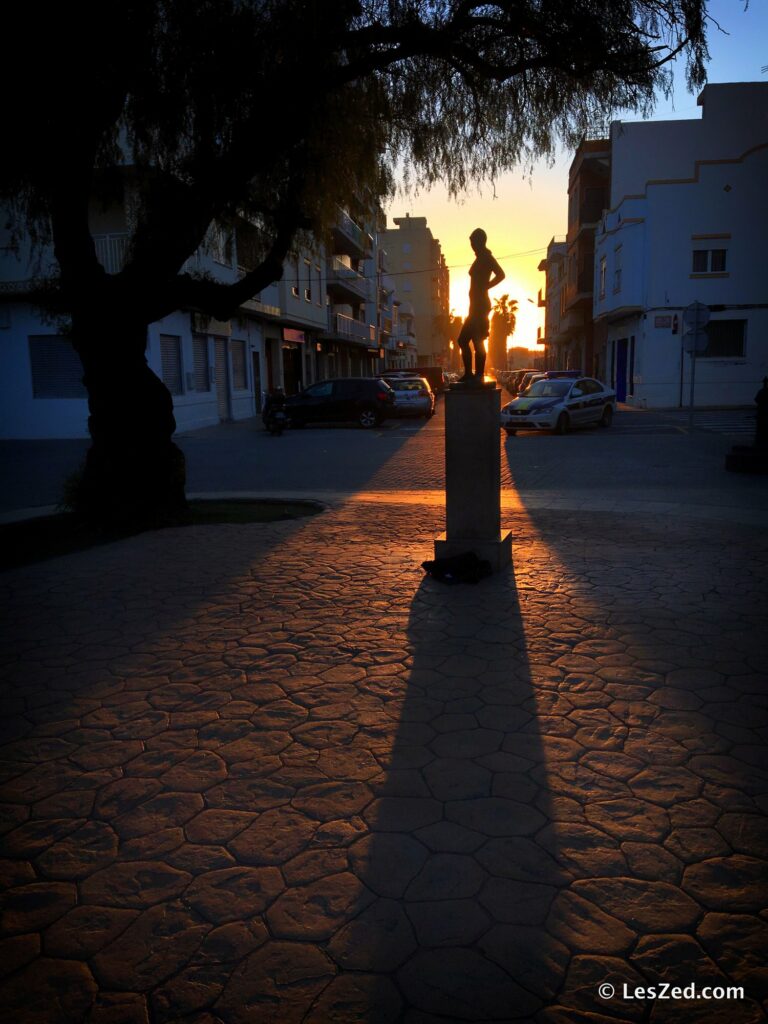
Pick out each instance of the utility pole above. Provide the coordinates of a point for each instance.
(695, 339)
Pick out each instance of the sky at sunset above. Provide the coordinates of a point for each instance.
(521, 214)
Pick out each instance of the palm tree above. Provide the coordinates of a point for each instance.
(503, 322)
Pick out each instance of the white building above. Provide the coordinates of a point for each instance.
(319, 321)
(687, 222)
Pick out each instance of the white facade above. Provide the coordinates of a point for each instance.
(687, 223)
(295, 332)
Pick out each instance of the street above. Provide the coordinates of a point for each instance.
(275, 772)
(643, 456)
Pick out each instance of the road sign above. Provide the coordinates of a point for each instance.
(695, 341)
(696, 316)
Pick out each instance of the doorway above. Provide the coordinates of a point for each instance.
(292, 369)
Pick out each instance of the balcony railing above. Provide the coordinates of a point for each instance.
(350, 238)
(347, 327)
(111, 251)
(345, 278)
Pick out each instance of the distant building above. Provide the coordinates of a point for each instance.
(417, 264)
(686, 221)
(552, 298)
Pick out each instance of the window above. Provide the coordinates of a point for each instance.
(603, 270)
(323, 390)
(726, 339)
(308, 275)
(708, 261)
(239, 375)
(617, 269)
(56, 368)
(201, 372)
(406, 247)
(170, 362)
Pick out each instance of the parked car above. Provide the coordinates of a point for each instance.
(413, 396)
(559, 405)
(526, 379)
(514, 381)
(436, 377)
(554, 374)
(367, 400)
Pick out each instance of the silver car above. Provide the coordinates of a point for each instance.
(560, 405)
(413, 396)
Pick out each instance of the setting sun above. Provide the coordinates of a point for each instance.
(529, 316)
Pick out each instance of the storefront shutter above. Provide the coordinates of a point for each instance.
(56, 368)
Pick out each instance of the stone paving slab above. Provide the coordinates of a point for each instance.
(273, 773)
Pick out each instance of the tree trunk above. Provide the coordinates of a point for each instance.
(134, 474)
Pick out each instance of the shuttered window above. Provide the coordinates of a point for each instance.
(239, 376)
(725, 339)
(202, 378)
(170, 360)
(56, 368)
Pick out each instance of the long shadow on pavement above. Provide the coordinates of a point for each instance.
(662, 684)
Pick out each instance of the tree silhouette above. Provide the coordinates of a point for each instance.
(188, 113)
(503, 323)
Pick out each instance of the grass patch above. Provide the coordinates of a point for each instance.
(34, 540)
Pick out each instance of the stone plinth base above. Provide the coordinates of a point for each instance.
(498, 552)
(473, 476)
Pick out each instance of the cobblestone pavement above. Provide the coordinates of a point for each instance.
(268, 774)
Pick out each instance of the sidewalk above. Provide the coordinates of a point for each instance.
(274, 773)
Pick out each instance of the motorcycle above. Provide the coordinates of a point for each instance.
(273, 415)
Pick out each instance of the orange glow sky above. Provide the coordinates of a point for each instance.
(521, 215)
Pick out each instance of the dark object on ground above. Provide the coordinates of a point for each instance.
(463, 568)
(753, 458)
(273, 414)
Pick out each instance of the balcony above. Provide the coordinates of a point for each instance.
(571, 322)
(345, 285)
(346, 328)
(111, 251)
(541, 300)
(349, 239)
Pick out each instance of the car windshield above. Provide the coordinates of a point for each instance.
(549, 389)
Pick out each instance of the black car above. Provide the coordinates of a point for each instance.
(366, 400)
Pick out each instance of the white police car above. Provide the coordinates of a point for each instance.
(560, 404)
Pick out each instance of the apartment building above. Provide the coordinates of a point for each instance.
(686, 222)
(552, 299)
(573, 344)
(321, 320)
(418, 265)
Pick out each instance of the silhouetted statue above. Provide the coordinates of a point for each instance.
(761, 430)
(485, 273)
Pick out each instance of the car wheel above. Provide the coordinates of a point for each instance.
(563, 423)
(368, 418)
(607, 418)
(510, 431)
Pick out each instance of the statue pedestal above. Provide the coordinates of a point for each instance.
(473, 476)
